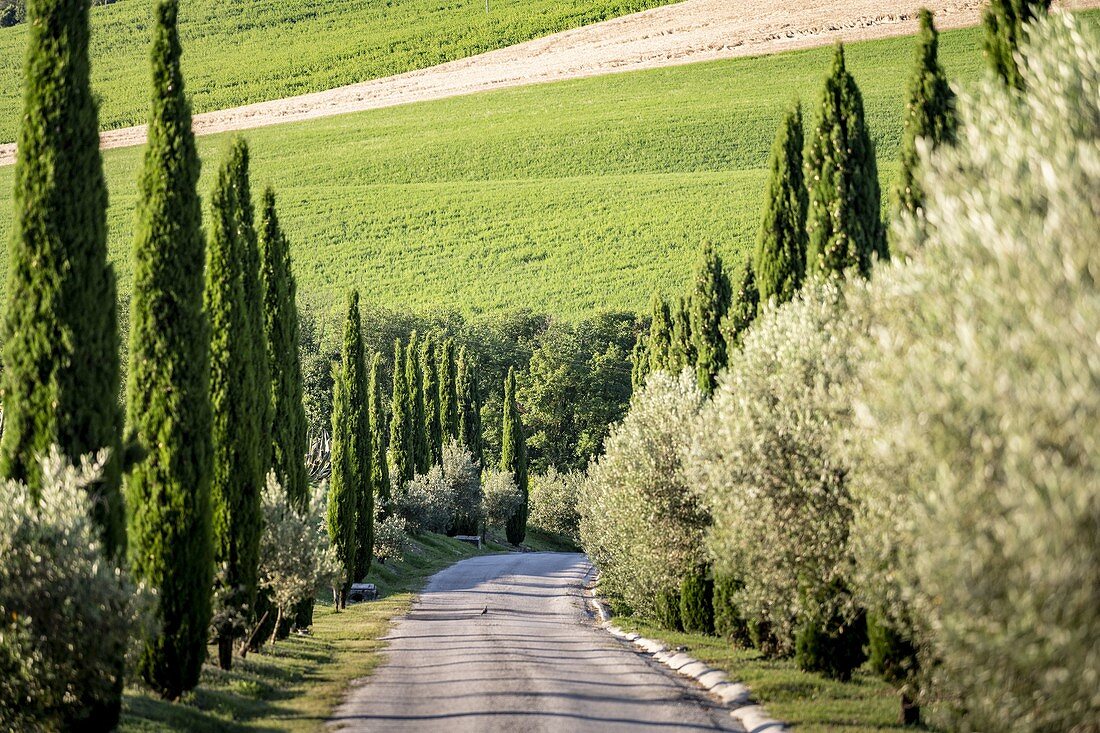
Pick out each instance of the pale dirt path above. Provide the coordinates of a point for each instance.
(693, 30)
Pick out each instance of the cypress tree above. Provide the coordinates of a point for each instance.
(448, 390)
(743, 311)
(239, 400)
(168, 400)
(513, 457)
(710, 300)
(697, 602)
(379, 468)
(420, 446)
(428, 368)
(681, 354)
(844, 221)
(342, 505)
(639, 363)
(780, 261)
(930, 115)
(1004, 22)
(469, 398)
(401, 457)
(288, 423)
(357, 436)
(60, 330)
(659, 344)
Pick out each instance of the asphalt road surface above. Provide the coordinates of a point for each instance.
(504, 643)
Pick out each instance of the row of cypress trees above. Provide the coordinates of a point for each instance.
(213, 399)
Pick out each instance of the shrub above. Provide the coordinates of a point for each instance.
(765, 460)
(979, 419)
(830, 639)
(554, 503)
(640, 524)
(433, 501)
(500, 498)
(288, 550)
(391, 538)
(68, 612)
(697, 602)
(464, 478)
(728, 622)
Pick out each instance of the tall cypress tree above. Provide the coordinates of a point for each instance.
(513, 457)
(780, 260)
(469, 398)
(379, 467)
(421, 450)
(60, 353)
(358, 437)
(1004, 22)
(710, 300)
(342, 505)
(288, 415)
(681, 353)
(239, 400)
(930, 115)
(659, 346)
(844, 220)
(743, 310)
(639, 363)
(448, 390)
(428, 368)
(168, 399)
(401, 456)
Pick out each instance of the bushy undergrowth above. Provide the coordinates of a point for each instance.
(978, 458)
(640, 523)
(553, 501)
(448, 492)
(68, 612)
(500, 498)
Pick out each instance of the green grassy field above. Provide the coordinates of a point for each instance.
(565, 197)
(242, 51)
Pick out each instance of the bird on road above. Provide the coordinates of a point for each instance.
(485, 610)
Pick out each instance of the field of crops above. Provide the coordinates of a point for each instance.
(564, 197)
(242, 51)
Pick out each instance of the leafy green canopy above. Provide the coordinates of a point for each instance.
(167, 397)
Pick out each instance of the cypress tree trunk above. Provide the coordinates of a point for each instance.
(780, 260)
(168, 399)
(357, 447)
(844, 222)
(930, 115)
(60, 352)
(513, 457)
(431, 400)
(239, 397)
(1004, 22)
(469, 427)
(420, 446)
(401, 425)
(380, 472)
(288, 416)
(710, 300)
(448, 390)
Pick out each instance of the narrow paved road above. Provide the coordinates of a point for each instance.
(534, 661)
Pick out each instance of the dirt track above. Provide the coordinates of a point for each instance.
(693, 30)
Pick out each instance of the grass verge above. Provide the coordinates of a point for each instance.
(295, 684)
(809, 702)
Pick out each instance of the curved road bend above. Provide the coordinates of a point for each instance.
(533, 661)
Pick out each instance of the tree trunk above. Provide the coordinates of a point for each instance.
(910, 710)
(278, 623)
(252, 641)
(225, 652)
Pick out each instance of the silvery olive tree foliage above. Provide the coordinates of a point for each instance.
(67, 613)
(391, 538)
(979, 419)
(432, 500)
(640, 523)
(500, 498)
(764, 460)
(554, 497)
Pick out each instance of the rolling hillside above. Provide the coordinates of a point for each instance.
(242, 51)
(562, 197)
